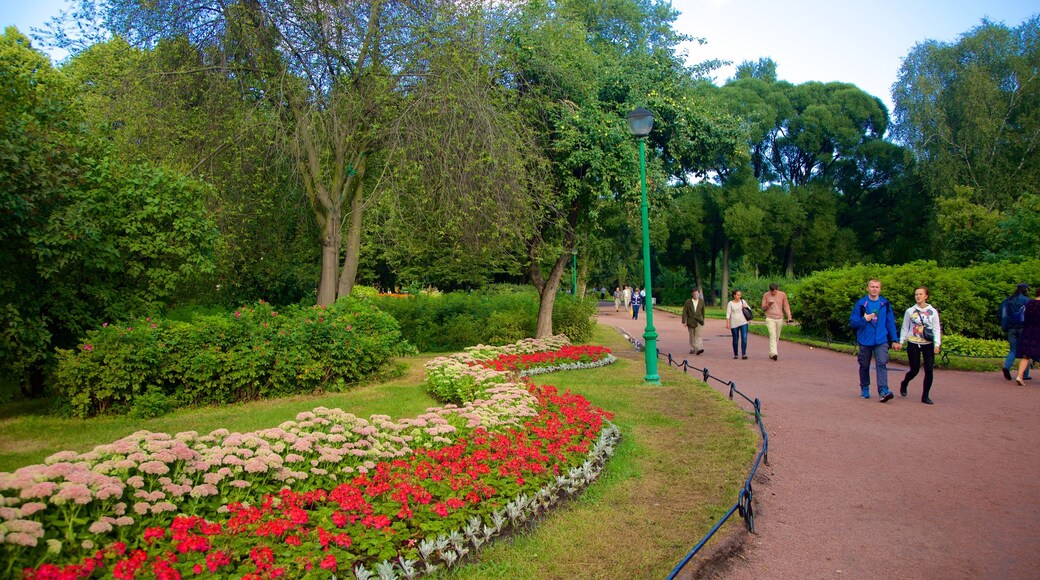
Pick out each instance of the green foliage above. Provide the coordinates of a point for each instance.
(968, 109)
(673, 285)
(974, 347)
(151, 404)
(574, 317)
(967, 298)
(257, 352)
(455, 320)
(86, 238)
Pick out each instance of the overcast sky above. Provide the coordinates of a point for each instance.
(860, 42)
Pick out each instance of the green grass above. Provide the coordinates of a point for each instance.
(684, 455)
(29, 432)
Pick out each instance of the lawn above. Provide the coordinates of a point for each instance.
(683, 458)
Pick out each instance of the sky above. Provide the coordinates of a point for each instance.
(851, 41)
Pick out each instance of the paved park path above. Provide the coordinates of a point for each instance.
(859, 489)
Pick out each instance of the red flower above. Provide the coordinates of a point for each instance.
(328, 562)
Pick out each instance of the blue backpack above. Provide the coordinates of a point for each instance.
(1011, 314)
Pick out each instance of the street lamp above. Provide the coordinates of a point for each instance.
(640, 122)
(574, 271)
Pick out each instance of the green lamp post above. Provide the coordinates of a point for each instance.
(640, 122)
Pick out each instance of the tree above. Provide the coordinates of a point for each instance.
(86, 238)
(336, 78)
(206, 130)
(970, 111)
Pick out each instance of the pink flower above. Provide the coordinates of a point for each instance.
(29, 508)
(20, 539)
(238, 314)
(100, 528)
(75, 492)
(104, 325)
(154, 468)
(88, 347)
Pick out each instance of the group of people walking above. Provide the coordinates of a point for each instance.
(874, 321)
(738, 315)
(630, 298)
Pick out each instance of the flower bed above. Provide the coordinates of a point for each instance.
(462, 376)
(327, 492)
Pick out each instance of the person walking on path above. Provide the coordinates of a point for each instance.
(627, 295)
(922, 334)
(874, 322)
(1013, 328)
(737, 323)
(617, 299)
(637, 300)
(776, 306)
(1029, 342)
(693, 320)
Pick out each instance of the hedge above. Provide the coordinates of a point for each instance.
(256, 352)
(967, 298)
(452, 321)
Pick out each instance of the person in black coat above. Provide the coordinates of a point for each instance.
(1029, 342)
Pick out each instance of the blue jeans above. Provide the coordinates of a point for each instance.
(1013, 334)
(739, 334)
(880, 354)
(635, 312)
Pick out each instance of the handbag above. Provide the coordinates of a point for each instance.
(749, 315)
(927, 334)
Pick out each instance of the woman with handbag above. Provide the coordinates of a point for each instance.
(737, 323)
(922, 334)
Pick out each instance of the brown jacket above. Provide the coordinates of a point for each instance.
(693, 316)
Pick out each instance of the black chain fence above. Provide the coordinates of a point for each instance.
(744, 504)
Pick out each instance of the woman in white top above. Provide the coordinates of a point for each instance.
(737, 324)
(922, 334)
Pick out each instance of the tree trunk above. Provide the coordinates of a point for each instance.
(725, 271)
(789, 270)
(547, 288)
(714, 276)
(353, 239)
(583, 276)
(330, 245)
(697, 273)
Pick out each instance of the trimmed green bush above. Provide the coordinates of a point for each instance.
(967, 298)
(976, 347)
(454, 320)
(256, 352)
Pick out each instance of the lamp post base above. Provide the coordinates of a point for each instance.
(650, 350)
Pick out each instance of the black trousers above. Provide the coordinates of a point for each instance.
(914, 352)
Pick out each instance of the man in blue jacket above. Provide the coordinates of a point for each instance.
(875, 324)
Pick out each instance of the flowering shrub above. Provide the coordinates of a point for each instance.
(256, 352)
(463, 376)
(368, 496)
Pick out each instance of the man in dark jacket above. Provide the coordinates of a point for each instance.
(1013, 329)
(874, 321)
(693, 320)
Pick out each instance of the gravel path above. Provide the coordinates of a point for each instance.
(859, 489)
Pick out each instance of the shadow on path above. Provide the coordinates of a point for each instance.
(859, 489)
